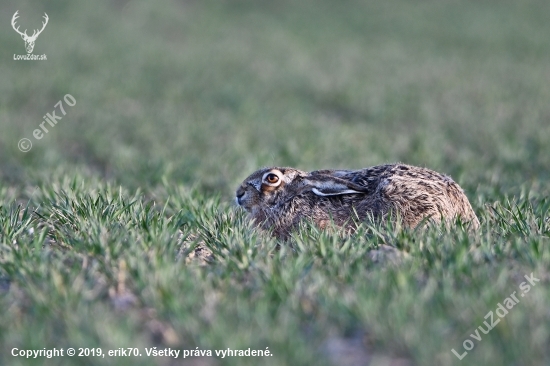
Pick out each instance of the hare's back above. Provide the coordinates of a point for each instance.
(418, 191)
(413, 183)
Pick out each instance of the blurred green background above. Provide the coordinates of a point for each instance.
(205, 92)
(175, 95)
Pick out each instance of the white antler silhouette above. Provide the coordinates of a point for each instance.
(29, 41)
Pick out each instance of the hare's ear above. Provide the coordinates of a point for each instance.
(326, 185)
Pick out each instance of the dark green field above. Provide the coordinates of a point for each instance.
(178, 101)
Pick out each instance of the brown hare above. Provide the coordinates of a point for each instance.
(278, 198)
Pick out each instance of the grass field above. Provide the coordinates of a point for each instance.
(178, 101)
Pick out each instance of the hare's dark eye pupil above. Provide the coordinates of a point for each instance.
(272, 178)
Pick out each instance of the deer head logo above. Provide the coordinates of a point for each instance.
(29, 41)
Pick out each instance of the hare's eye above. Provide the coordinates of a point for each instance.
(272, 178)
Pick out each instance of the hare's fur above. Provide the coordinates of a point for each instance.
(279, 198)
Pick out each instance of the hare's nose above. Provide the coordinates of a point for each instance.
(240, 194)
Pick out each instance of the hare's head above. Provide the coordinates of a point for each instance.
(266, 187)
(271, 187)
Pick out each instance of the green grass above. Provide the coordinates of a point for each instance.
(178, 101)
